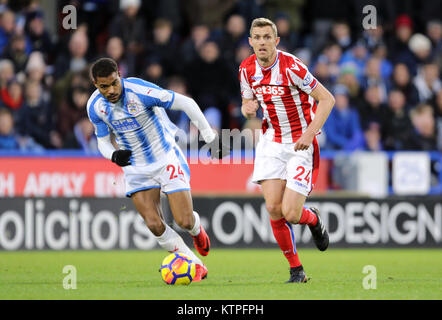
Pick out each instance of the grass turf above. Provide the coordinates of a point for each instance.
(233, 274)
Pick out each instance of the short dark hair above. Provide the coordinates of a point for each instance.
(103, 67)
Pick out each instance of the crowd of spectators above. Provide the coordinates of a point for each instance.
(386, 80)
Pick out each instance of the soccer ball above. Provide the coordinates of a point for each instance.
(178, 268)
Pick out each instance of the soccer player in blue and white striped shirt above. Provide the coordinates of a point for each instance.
(134, 111)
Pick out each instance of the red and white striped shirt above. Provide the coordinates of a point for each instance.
(283, 91)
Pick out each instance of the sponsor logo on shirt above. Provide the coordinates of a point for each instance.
(276, 91)
(124, 125)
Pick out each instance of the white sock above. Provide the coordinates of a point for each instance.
(196, 227)
(172, 242)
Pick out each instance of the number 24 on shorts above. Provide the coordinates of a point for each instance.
(171, 168)
(301, 171)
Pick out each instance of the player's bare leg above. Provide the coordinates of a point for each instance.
(273, 191)
(181, 206)
(292, 205)
(182, 210)
(295, 212)
(147, 203)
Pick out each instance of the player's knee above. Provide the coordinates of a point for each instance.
(292, 214)
(185, 222)
(274, 209)
(156, 226)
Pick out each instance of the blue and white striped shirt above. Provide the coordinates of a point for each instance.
(138, 120)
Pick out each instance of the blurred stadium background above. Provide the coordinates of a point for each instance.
(380, 180)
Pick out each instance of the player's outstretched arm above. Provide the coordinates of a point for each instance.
(193, 111)
(196, 116)
(326, 101)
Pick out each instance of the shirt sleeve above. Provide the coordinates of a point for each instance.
(166, 98)
(101, 128)
(246, 90)
(301, 77)
(189, 106)
(160, 97)
(151, 94)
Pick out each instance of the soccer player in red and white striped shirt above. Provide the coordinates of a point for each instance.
(287, 154)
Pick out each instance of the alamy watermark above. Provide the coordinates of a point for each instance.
(369, 281)
(69, 21)
(240, 143)
(70, 280)
(370, 20)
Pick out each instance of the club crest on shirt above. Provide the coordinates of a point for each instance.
(279, 79)
(133, 108)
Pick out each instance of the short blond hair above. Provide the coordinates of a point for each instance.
(421, 109)
(264, 22)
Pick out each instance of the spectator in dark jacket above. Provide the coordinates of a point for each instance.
(76, 58)
(373, 135)
(164, 47)
(401, 80)
(286, 33)
(115, 50)
(153, 71)
(83, 137)
(342, 127)
(209, 78)
(398, 128)
(327, 68)
(398, 50)
(72, 109)
(16, 52)
(434, 32)
(36, 118)
(189, 48)
(371, 108)
(38, 35)
(129, 26)
(7, 28)
(232, 35)
(424, 135)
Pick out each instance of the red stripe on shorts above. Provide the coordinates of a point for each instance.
(316, 160)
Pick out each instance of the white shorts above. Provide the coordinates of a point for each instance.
(275, 160)
(171, 174)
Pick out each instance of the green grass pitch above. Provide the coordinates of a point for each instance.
(233, 274)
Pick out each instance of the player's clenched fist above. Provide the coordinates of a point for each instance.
(121, 157)
(249, 108)
(304, 142)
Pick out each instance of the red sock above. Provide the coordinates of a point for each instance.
(284, 235)
(308, 217)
